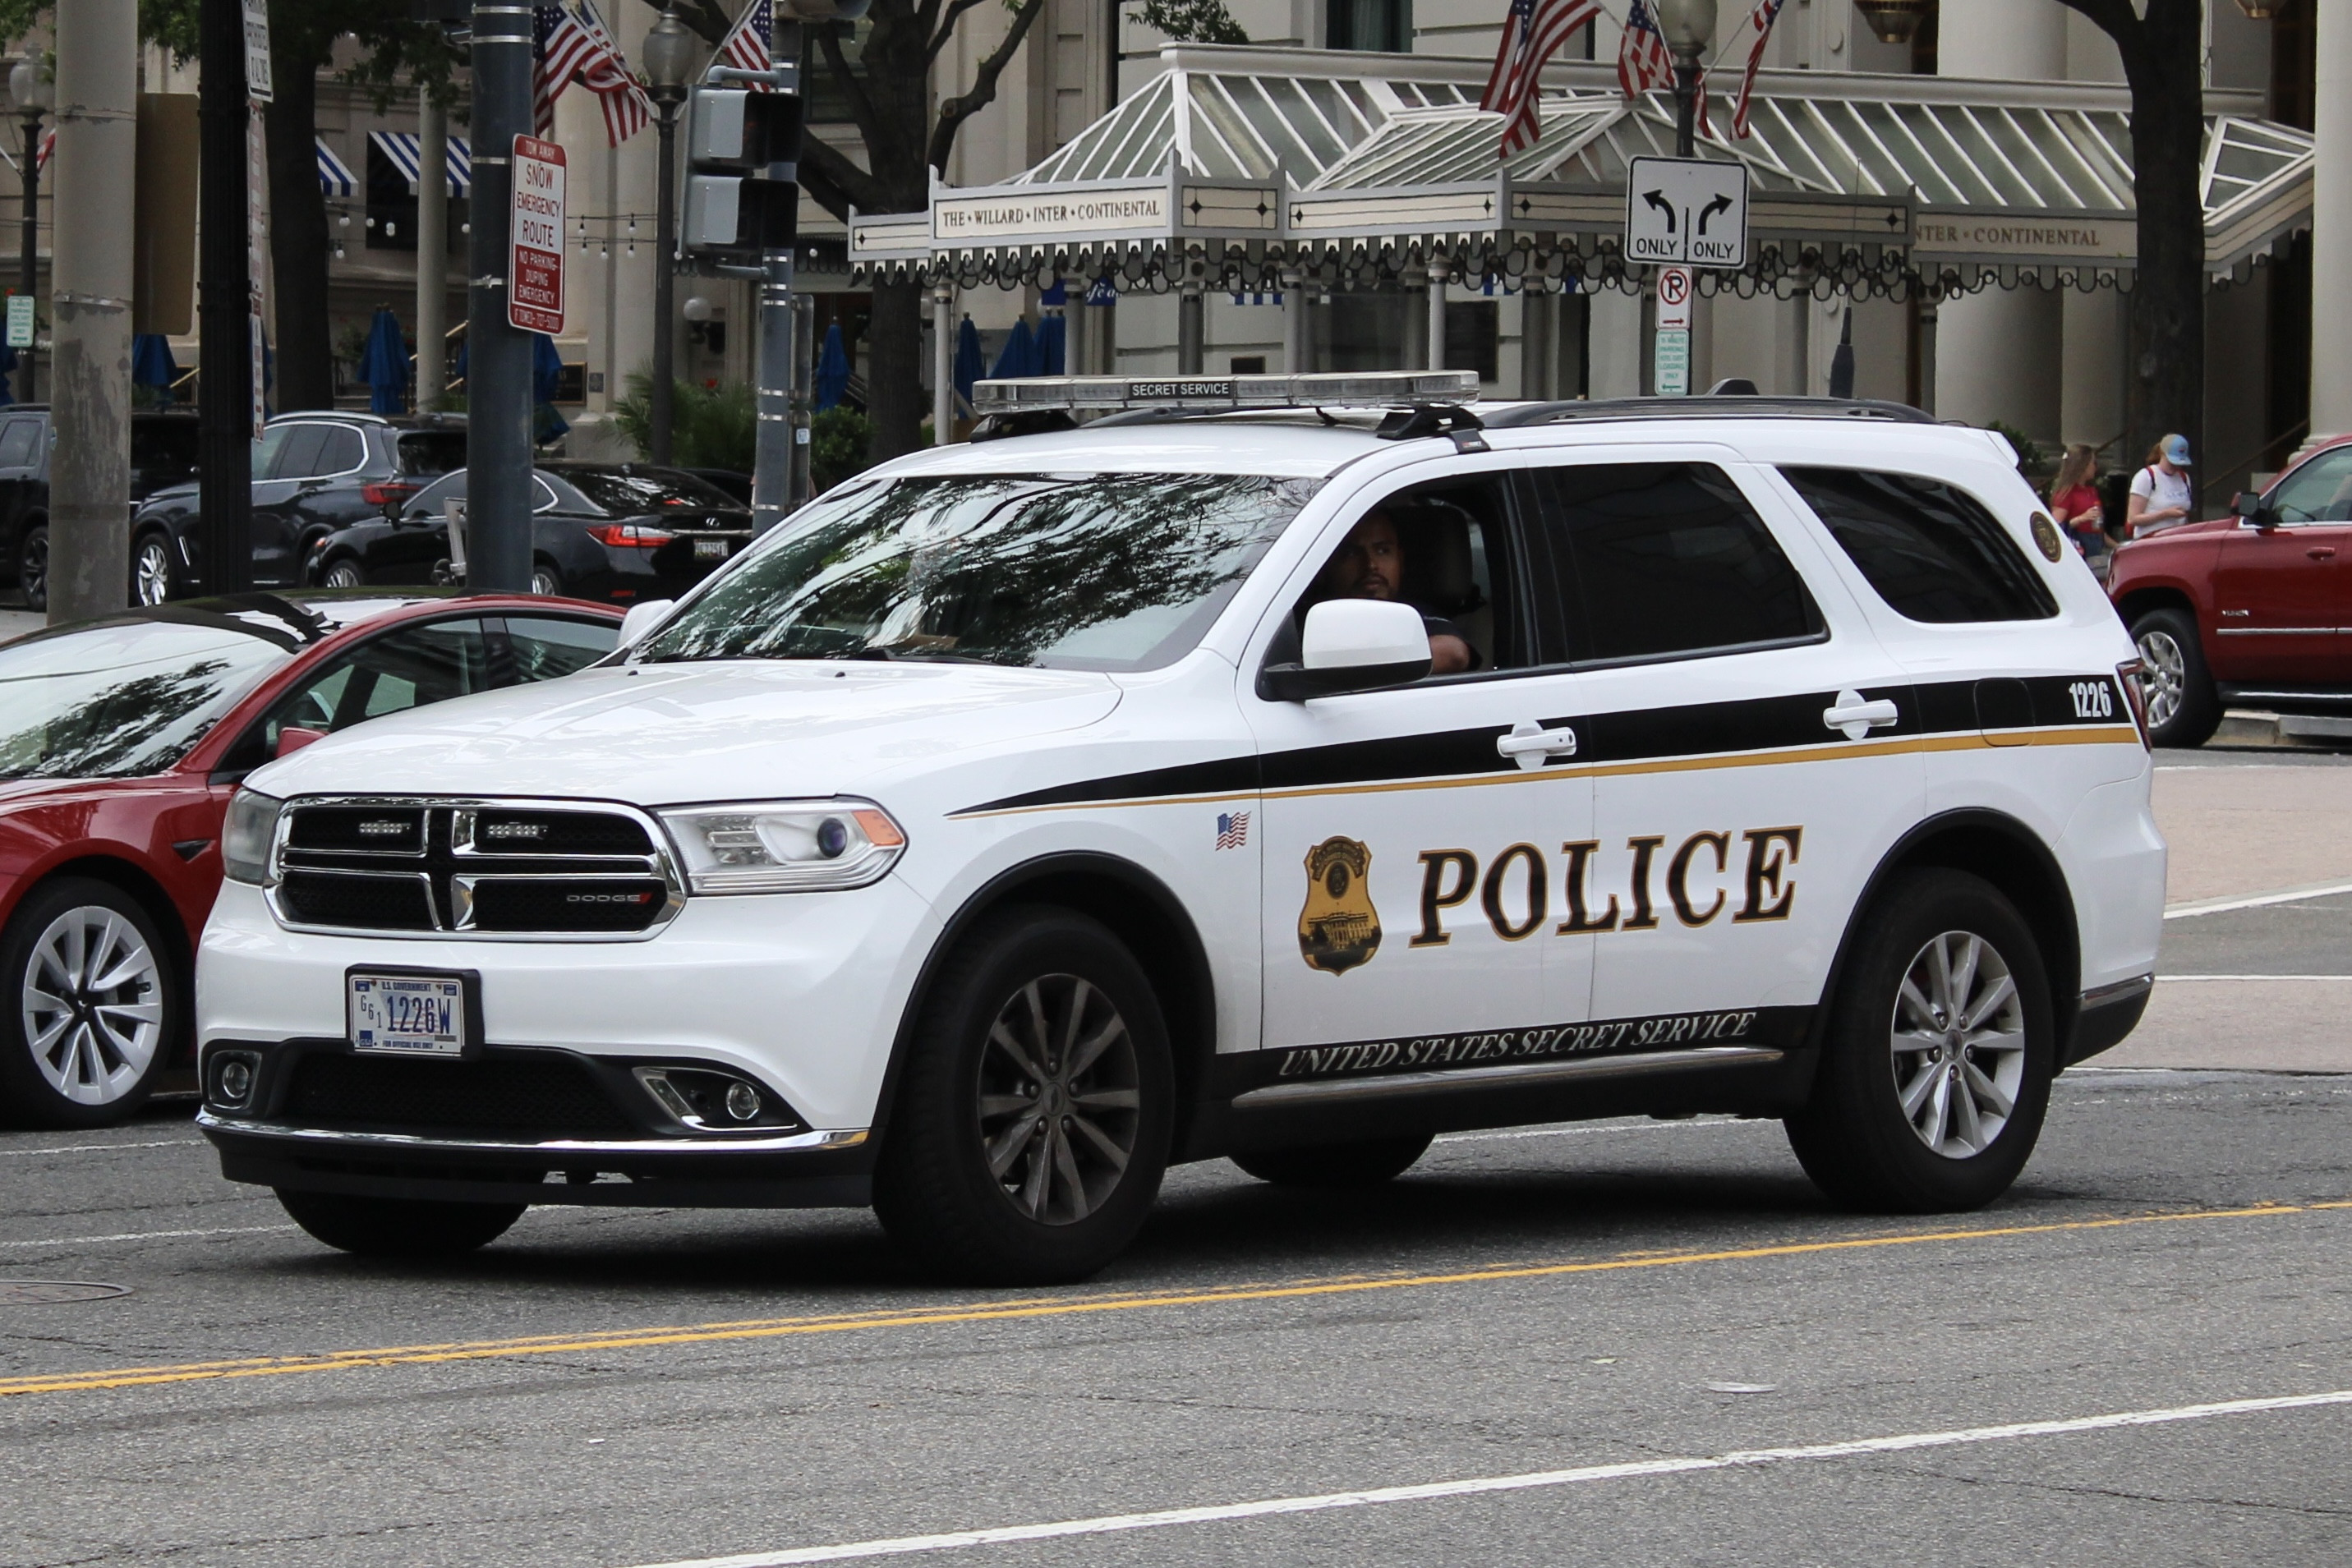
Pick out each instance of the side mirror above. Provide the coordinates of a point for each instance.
(2248, 507)
(641, 618)
(293, 738)
(1351, 645)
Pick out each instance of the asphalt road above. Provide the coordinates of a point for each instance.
(1632, 1342)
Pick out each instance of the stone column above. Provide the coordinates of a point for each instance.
(2331, 219)
(1416, 319)
(2004, 356)
(943, 365)
(1437, 318)
(1293, 322)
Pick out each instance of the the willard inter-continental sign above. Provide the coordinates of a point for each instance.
(2091, 239)
(1001, 216)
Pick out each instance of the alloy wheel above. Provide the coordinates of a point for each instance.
(151, 573)
(344, 574)
(2165, 679)
(545, 583)
(93, 1005)
(1058, 1099)
(1959, 1039)
(33, 570)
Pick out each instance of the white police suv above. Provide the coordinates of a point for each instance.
(1259, 771)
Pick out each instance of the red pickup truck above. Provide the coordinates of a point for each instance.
(2254, 608)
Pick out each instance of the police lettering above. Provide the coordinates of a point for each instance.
(1516, 889)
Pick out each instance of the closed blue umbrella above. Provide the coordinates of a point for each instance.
(832, 369)
(546, 370)
(1053, 344)
(969, 366)
(1019, 355)
(7, 368)
(152, 364)
(383, 364)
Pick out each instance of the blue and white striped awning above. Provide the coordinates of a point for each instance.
(334, 178)
(405, 153)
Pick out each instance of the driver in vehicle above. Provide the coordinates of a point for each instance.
(1370, 564)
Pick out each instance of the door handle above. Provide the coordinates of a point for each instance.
(2320, 552)
(1858, 718)
(1530, 743)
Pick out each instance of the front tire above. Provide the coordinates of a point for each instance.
(2183, 709)
(1032, 1124)
(154, 577)
(1936, 1062)
(1365, 1162)
(398, 1227)
(343, 573)
(91, 1005)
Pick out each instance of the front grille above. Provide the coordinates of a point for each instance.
(395, 903)
(553, 1096)
(509, 867)
(567, 903)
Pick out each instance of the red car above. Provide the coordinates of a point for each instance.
(120, 742)
(2253, 608)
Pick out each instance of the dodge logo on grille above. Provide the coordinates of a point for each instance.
(608, 898)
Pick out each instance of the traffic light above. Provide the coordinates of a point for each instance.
(743, 183)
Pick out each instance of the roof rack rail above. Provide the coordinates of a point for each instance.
(1728, 406)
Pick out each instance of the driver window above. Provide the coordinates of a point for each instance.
(2318, 492)
(1444, 549)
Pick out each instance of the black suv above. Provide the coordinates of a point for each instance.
(162, 453)
(313, 473)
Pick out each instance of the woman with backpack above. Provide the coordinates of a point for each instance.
(2161, 497)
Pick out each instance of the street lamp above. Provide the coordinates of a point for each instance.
(669, 58)
(1689, 27)
(1897, 21)
(32, 97)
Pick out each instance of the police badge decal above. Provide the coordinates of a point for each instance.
(1338, 928)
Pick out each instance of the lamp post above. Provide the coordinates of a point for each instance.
(669, 56)
(1689, 27)
(32, 97)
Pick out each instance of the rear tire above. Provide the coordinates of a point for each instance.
(545, 580)
(1032, 1122)
(154, 575)
(1935, 1064)
(398, 1227)
(2183, 709)
(1365, 1162)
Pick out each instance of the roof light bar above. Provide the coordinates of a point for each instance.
(1107, 395)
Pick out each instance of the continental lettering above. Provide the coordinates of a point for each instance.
(1770, 852)
(1678, 876)
(1494, 893)
(1579, 919)
(1437, 896)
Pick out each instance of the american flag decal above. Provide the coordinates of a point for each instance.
(1232, 829)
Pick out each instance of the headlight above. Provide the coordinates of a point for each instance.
(245, 841)
(785, 846)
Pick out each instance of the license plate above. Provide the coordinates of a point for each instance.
(710, 549)
(407, 1015)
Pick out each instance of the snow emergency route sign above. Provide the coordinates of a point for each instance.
(535, 262)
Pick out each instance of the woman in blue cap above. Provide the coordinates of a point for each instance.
(2160, 493)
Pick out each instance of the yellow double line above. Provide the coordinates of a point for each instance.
(1057, 1306)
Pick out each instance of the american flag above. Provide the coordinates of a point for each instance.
(1760, 21)
(1232, 829)
(746, 48)
(1645, 63)
(42, 154)
(1531, 32)
(570, 46)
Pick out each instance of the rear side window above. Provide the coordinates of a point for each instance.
(1934, 553)
(1656, 559)
(340, 452)
(17, 442)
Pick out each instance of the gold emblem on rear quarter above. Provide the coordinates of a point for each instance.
(2045, 534)
(1338, 928)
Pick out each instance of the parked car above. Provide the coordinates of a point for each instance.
(1290, 786)
(2250, 609)
(737, 484)
(312, 472)
(121, 740)
(163, 446)
(617, 532)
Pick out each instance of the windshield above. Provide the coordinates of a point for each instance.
(428, 451)
(115, 702)
(622, 494)
(1084, 571)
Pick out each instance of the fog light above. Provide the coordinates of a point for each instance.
(237, 1081)
(743, 1101)
(233, 1075)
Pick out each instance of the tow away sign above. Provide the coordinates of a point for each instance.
(1687, 210)
(535, 258)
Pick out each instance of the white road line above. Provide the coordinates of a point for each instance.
(147, 1235)
(100, 1148)
(2253, 900)
(2175, 979)
(1108, 1524)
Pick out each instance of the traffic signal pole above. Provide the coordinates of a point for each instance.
(774, 454)
(497, 355)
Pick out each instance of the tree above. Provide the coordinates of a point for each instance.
(302, 34)
(888, 88)
(2163, 57)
